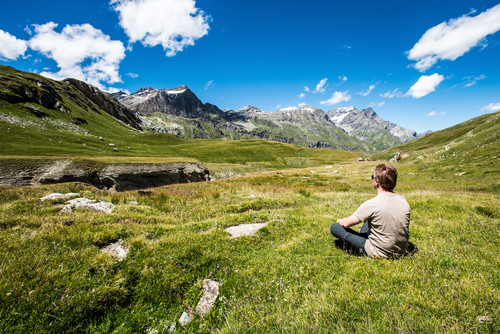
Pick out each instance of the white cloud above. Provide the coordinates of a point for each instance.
(452, 39)
(301, 95)
(342, 78)
(492, 107)
(320, 87)
(11, 48)
(426, 84)
(433, 113)
(133, 75)
(209, 84)
(392, 94)
(80, 51)
(307, 89)
(337, 97)
(366, 93)
(303, 104)
(173, 24)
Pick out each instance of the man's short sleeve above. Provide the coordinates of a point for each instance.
(366, 210)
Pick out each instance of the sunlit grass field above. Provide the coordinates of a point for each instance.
(287, 278)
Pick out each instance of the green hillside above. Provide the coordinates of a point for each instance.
(468, 153)
(78, 127)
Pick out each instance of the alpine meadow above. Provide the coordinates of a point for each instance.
(131, 209)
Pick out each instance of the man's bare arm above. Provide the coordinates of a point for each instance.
(349, 221)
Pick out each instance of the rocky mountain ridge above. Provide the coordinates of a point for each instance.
(342, 128)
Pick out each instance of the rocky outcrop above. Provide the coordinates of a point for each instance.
(180, 101)
(121, 177)
(115, 177)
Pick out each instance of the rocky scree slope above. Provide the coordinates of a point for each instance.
(366, 125)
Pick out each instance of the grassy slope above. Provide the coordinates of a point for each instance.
(465, 153)
(286, 278)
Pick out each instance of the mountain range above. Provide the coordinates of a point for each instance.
(180, 112)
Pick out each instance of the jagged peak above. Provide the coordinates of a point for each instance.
(249, 108)
(345, 109)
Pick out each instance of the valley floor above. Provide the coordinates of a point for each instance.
(287, 278)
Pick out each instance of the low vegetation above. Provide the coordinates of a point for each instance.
(287, 278)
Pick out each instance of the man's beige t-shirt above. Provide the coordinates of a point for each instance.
(388, 217)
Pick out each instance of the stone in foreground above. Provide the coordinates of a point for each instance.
(208, 297)
(244, 229)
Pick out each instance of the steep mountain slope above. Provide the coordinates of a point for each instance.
(368, 126)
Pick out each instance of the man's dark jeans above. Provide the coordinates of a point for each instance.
(351, 237)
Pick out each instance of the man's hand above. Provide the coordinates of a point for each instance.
(349, 221)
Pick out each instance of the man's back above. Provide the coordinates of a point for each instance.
(388, 216)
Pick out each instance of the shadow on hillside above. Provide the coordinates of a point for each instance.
(351, 250)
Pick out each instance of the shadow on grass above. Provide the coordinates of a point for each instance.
(351, 250)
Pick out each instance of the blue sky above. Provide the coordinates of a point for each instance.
(425, 65)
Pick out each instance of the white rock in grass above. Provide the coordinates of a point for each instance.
(116, 250)
(483, 319)
(208, 297)
(56, 196)
(244, 229)
(83, 203)
(184, 319)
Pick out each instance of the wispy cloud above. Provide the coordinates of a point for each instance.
(492, 107)
(337, 97)
(301, 95)
(133, 75)
(471, 81)
(11, 48)
(342, 78)
(425, 85)
(392, 94)
(452, 39)
(320, 87)
(307, 89)
(80, 51)
(302, 104)
(209, 84)
(367, 92)
(173, 24)
(434, 113)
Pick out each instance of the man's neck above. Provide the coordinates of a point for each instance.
(381, 190)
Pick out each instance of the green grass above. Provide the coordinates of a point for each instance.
(288, 278)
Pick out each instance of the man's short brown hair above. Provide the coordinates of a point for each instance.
(387, 176)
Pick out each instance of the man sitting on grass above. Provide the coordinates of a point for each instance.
(386, 218)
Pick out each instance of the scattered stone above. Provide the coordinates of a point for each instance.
(171, 329)
(111, 144)
(57, 196)
(133, 203)
(100, 138)
(329, 167)
(83, 203)
(483, 319)
(116, 250)
(459, 174)
(208, 297)
(184, 319)
(115, 149)
(244, 229)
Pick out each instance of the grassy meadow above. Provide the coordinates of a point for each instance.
(287, 278)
